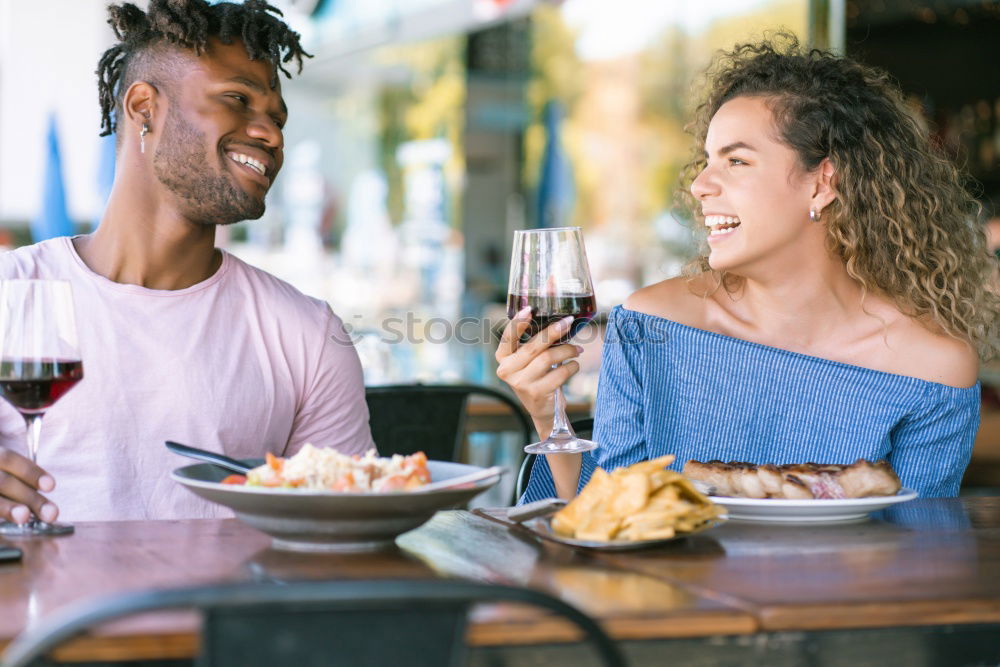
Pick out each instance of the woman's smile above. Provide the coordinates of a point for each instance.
(721, 226)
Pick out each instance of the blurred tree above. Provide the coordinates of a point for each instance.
(428, 104)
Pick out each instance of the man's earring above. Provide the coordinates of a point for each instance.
(142, 137)
(814, 214)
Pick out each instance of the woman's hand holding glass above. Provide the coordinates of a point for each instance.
(528, 367)
(550, 298)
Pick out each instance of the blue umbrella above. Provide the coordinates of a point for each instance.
(555, 184)
(53, 218)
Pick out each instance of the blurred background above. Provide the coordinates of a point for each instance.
(424, 132)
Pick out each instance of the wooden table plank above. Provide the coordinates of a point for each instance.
(105, 558)
(483, 407)
(923, 563)
(937, 562)
(629, 605)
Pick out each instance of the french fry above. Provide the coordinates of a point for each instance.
(687, 488)
(667, 496)
(647, 518)
(660, 479)
(650, 466)
(641, 502)
(661, 534)
(632, 494)
(569, 518)
(601, 525)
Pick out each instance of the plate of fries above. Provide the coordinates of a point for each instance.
(631, 508)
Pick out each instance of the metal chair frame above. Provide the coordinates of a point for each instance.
(306, 622)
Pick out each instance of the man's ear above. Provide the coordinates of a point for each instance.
(140, 104)
(824, 191)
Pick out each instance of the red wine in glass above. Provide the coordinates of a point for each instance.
(39, 363)
(546, 310)
(32, 386)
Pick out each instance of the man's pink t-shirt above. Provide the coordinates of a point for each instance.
(241, 363)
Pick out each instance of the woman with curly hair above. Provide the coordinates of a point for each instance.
(836, 309)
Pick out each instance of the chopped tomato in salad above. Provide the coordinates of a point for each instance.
(321, 469)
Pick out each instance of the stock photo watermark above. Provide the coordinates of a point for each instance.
(413, 329)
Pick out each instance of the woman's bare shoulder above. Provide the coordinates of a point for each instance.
(933, 355)
(678, 299)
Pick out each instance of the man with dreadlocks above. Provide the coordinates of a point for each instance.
(181, 340)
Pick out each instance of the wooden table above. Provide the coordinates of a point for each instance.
(487, 415)
(925, 577)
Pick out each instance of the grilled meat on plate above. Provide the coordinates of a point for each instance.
(738, 479)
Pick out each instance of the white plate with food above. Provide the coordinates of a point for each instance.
(631, 508)
(320, 500)
(816, 510)
(800, 493)
(542, 527)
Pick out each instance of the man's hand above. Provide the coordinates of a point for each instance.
(20, 483)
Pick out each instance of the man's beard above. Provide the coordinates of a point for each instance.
(207, 198)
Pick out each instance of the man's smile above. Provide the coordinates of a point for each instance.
(259, 166)
(248, 161)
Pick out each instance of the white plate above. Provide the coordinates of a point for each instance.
(776, 510)
(301, 520)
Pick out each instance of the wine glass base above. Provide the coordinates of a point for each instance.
(571, 445)
(34, 528)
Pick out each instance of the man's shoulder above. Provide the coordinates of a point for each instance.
(276, 295)
(38, 260)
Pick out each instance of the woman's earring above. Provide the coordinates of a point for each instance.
(142, 138)
(814, 214)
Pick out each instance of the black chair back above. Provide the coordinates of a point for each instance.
(419, 623)
(430, 418)
(584, 428)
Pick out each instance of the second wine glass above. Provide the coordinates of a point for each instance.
(549, 273)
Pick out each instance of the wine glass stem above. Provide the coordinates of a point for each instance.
(34, 423)
(560, 423)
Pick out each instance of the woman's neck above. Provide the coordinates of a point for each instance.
(800, 305)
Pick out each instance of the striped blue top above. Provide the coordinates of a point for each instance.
(667, 388)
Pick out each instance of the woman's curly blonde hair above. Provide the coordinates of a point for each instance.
(903, 222)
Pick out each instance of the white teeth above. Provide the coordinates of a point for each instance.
(715, 220)
(256, 165)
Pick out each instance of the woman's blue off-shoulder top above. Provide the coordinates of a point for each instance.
(667, 388)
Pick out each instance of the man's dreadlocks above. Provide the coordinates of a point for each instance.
(187, 24)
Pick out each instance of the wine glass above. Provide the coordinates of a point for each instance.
(549, 273)
(39, 363)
